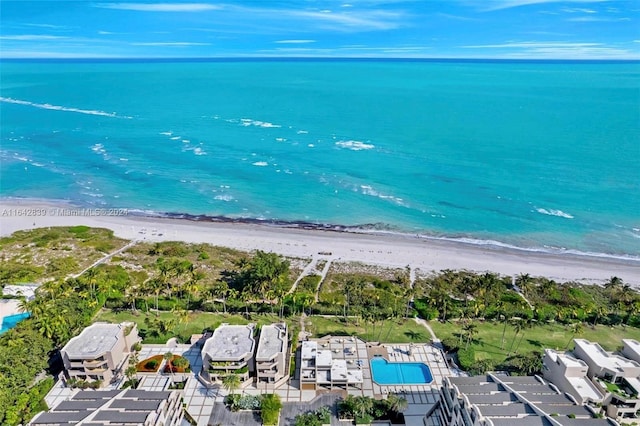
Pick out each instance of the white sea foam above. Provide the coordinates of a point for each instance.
(281, 139)
(166, 133)
(552, 212)
(175, 138)
(199, 151)
(354, 145)
(368, 190)
(186, 140)
(311, 145)
(246, 122)
(63, 108)
(260, 163)
(224, 197)
(302, 132)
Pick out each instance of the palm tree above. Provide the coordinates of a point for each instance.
(470, 331)
(130, 373)
(526, 324)
(231, 383)
(576, 329)
(362, 404)
(396, 403)
(168, 356)
(518, 326)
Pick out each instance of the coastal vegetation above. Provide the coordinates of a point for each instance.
(175, 289)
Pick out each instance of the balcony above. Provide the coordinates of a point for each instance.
(94, 362)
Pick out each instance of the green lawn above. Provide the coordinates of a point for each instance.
(554, 336)
(197, 322)
(391, 331)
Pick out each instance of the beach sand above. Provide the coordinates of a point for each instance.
(383, 249)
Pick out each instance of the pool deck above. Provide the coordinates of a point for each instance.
(8, 307)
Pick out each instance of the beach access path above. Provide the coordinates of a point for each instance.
(384, 249)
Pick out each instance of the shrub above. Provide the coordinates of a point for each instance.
(270, 406)
(451, 344)
(467, 358)
(151, 364)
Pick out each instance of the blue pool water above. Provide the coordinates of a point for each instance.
(11, 321)
(400, 373)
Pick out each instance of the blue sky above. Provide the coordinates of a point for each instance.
(539, 29)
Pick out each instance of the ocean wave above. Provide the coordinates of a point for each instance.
(552, 212)
(62, 108)
(224, 197)
(199, 151)
(368, 190)
(311, 145)
(260, 163)
(175, 138)
(281, 139)
(302, 132)
(246, 122)
(355, 145)
(166, 133)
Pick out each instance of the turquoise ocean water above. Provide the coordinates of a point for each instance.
(534, 155)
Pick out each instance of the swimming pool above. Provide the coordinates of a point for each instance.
(400, 373)
(11, 321)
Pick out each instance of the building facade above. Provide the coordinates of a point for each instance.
(99, 353)
(570, 375)
(616, 377)
(271, 355)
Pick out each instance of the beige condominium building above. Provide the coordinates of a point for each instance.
(99, 352)
(271, 356)
(229, 351)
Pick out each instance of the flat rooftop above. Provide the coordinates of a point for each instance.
(230, 342)
(94, 340)
(603, 358)
(565, 359)
(272, 341)
(324, 358)
(309, 349)
(585, 388)
(632, 349)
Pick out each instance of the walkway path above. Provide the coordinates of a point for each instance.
(105, 258)
(323, 275)
(428, 327)
(311, 267)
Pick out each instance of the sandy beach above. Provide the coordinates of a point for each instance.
(392, 250)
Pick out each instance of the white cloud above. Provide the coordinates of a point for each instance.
(31, 37)
(531, 44)
(348, 21)
(294, 41)
(170, 43)
(160, 7)
(596, 19)
(559, 50)
(489, 5)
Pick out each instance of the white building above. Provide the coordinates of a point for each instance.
(616, 376)
(570, 375)
(319, 369)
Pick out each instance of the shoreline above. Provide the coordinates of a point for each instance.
(346, 244)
